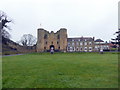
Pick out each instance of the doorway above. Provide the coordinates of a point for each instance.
(52, 47)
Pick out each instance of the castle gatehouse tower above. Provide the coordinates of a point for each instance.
(47, 40)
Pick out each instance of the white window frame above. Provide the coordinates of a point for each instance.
(77, 48)
(68, 43)
(90, 48)
(81, 48)
(90, 43)
(85, 49)
(77, 43)
(81, 43)
(85, 43)
(73, 43)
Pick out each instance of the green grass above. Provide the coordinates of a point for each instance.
(61, 70)
(0, 72)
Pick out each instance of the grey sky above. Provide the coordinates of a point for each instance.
(98, 18)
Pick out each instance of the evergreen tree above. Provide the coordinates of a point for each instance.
(117, 39)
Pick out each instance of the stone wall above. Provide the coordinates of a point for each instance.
(10, 47)
(47, 39)
(22, 49)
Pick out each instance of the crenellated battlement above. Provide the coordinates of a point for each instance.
(46, 39)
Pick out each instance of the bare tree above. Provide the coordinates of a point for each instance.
(3, 25)
(27, 40)
(5, 34)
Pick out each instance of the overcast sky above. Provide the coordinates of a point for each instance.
(88, 18)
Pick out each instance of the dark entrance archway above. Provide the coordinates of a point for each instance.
(52, 47)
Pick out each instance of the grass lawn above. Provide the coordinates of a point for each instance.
(61, 70)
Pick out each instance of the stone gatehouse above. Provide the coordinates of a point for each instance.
(47, 40)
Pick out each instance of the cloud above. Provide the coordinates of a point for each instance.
(80, 17)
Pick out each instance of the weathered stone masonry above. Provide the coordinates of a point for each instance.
(46, 40)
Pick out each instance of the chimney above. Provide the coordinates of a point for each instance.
(93, 38)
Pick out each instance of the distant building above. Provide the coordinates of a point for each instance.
(100, 44)
(82, 44)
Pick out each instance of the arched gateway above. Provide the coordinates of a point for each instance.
(47, 40)
(52, 47)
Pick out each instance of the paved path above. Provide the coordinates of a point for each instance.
(11, 55)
